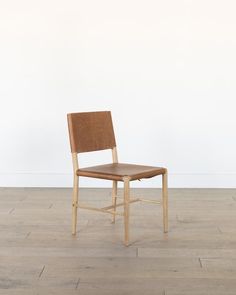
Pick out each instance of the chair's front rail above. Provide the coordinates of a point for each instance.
(84, 206)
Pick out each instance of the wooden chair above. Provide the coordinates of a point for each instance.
(93, 131)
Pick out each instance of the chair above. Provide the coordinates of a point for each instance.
(93, 131)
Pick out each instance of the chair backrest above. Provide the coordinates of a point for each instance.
(91, 131)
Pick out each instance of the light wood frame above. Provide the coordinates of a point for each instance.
(126, 199)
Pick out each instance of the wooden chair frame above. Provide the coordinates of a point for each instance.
(126, 199)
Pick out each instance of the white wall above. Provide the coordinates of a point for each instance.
(166, 69)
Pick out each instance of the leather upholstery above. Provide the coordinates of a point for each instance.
(118, 171)
(91, 131)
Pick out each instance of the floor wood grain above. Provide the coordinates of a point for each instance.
(39, 256)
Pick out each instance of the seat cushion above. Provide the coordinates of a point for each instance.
(118, 171)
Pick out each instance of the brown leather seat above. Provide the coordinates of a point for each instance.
(117, 171)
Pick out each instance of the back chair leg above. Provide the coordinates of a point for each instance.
(114, 198)
(126, 208)
(75, 204)
(165, 201)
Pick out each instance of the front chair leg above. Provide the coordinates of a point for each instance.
(75, 203)
(165, 200)
(126, 209)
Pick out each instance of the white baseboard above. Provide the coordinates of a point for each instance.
(176, 180)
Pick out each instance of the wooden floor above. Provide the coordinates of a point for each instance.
(38, 255)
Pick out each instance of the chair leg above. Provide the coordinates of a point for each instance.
(165, 200)
(75, 203)
(114, 195)
(126, 209)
